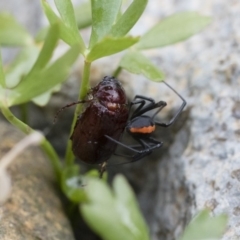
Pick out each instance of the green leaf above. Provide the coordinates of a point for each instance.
(83, 14)
(72, 184)
(175, 28)
(44, 98)
(2, 76)
(66, 34)
(98, 190)
(25, 60)
(47, 49)
(40, 82)
(21, 65)
(12, 33)
(104, 14)
(65, 8)
(42, 34)
(129, 18)
(108, 46)
(112, 216)
(137, 63)
(104, 221)
(100, 212)
(128, 209)
(204, 227)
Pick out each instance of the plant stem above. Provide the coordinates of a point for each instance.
(69, 157)
(2, 77)
(24, 112)
(46, 146)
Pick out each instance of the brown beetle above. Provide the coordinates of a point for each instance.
(106, 113)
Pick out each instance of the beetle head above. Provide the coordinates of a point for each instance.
(108, 91)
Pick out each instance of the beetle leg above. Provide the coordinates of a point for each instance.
(67, 106)
(102, 169)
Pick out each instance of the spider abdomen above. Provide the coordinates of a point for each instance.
(141, 125)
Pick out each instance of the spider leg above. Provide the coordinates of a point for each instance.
(122, 144)
(144, 98)
(133, 158)
(146, 151)
(177, 113)
(139, 154)
(147, 141)
(142, 102)
(160, 105)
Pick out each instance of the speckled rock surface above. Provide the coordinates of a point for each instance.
(212, 159)
(206, 70)
(34, 209)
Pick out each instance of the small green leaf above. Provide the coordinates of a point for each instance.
(104, 14)
(108, 46)
(12, 33)
(44, 98)
(129, 18)
(128, 209)
(47, 49)
(21, 65)
(83, 14)
(72, 184)
(204, 227)
(175, 28)
(42, 34)
(40, 82)
(65, 8)
(123, 191)
(2, 76)
(97, 190)
(100, 212)
(137, 63)
(50, 14)
(113, 216)
(104, 221)
(25, 60)
(66, 34)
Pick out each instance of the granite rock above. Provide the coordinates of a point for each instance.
(34, 209)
